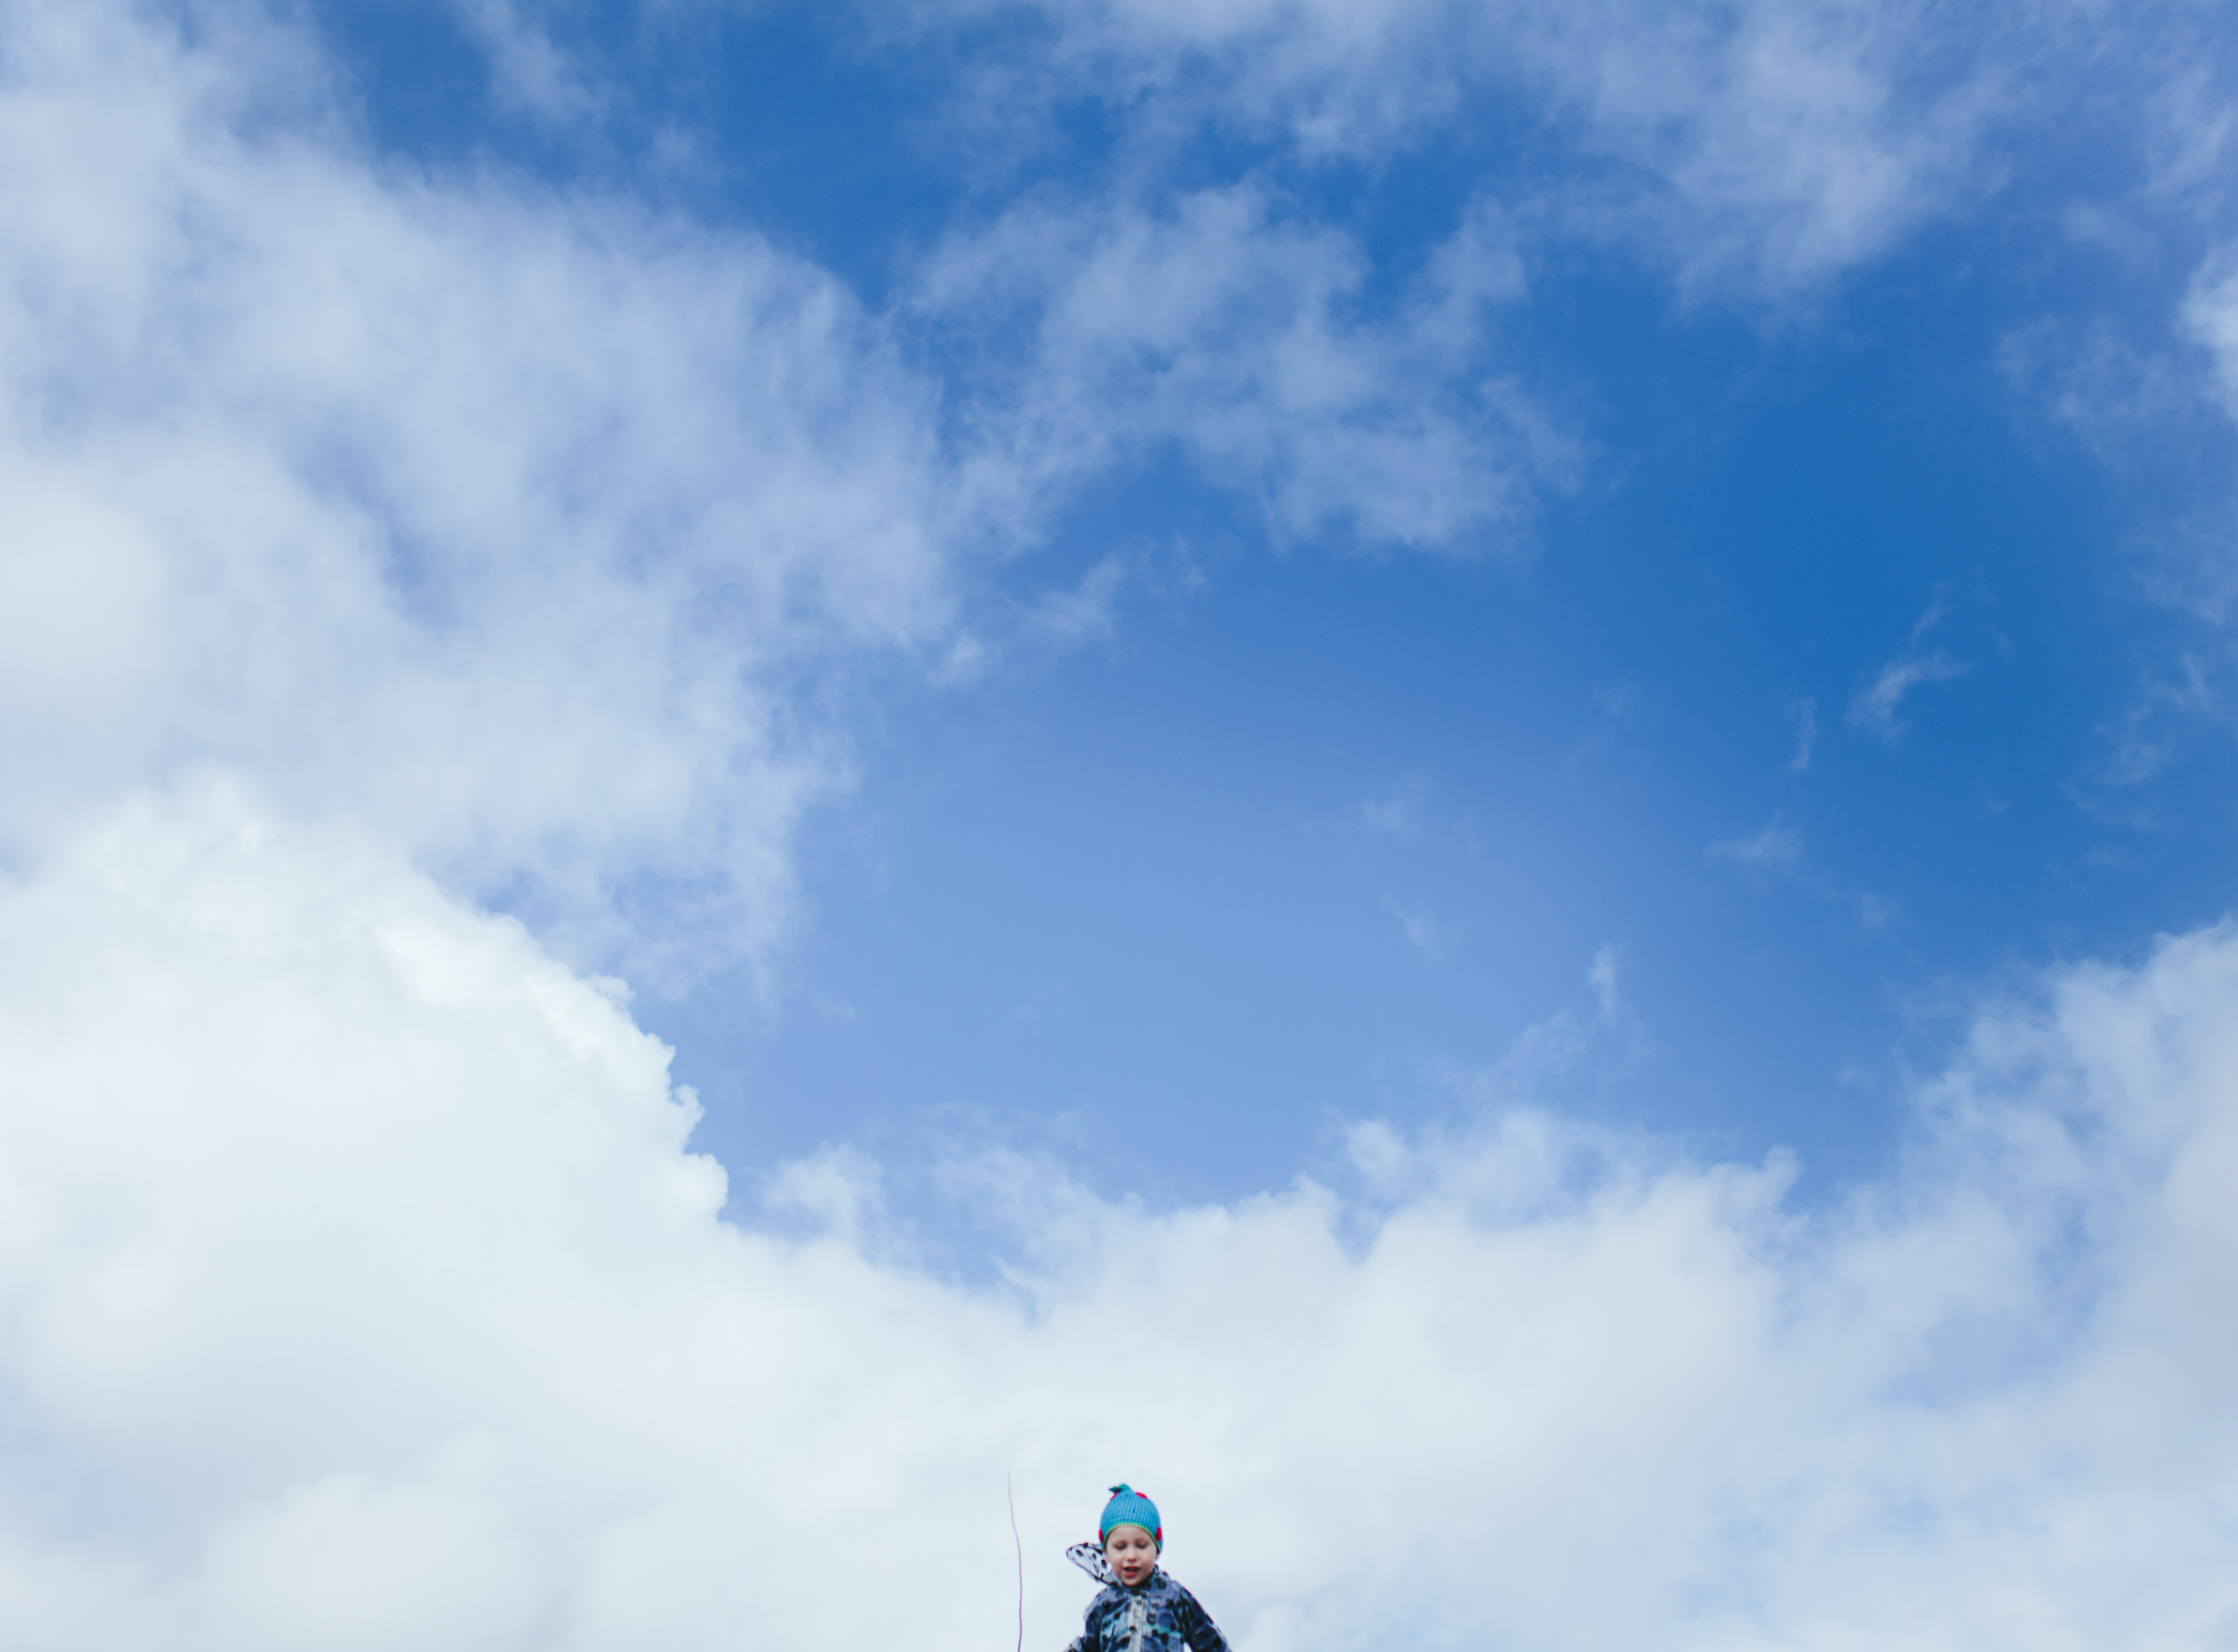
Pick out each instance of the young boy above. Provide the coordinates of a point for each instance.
(1141, 1610)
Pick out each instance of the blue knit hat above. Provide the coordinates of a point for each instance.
(1130, 1507)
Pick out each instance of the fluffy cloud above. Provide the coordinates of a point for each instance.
(509, 524)
(360, 1290)
(525, 527)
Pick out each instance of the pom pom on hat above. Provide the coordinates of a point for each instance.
(1130, 1507)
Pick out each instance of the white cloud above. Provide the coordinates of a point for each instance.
(1228, 330)
(1084, 611)
(1400, 815)
(1775, 851)
(2116, 399)
(2211, 319)
(1802, 710)
(504, 523)
(2168, 711)
(1874, 708)
(2190, 123)
(527, 71)
(1758, 148)
(1776, 846)
(1426, 931)
(1789, 142)
(1603, 978)
(356, 1288)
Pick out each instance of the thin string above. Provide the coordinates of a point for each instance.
(1012, 1497)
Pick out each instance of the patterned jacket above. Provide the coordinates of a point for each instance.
(1158, 1616)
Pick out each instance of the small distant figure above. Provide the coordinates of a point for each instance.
(1141, 1610)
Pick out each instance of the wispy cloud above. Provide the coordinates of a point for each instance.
(1571, 1051)
(1101, 332)
(1603, 977)
(1875, 705)
(1425, 932)
(1777, 846)
(2167, 716)
(2111, 392)
(1399, 814)
(1775, 851)
(1802, 713)
(1874, 708)
(1756, 148)
(2191, 130)
(1087, 609)
(528, 72)
(2211, 320)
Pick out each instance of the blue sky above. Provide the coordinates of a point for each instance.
(771, 766)
(1301, 835)
(1293, 821)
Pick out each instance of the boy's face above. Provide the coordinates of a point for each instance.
(1130, 1552)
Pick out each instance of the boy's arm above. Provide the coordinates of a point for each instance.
(1085, 1640)
(1197, 1628)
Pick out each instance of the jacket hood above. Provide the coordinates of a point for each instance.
(1089, 1558)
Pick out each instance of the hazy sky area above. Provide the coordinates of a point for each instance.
(1456, 776)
